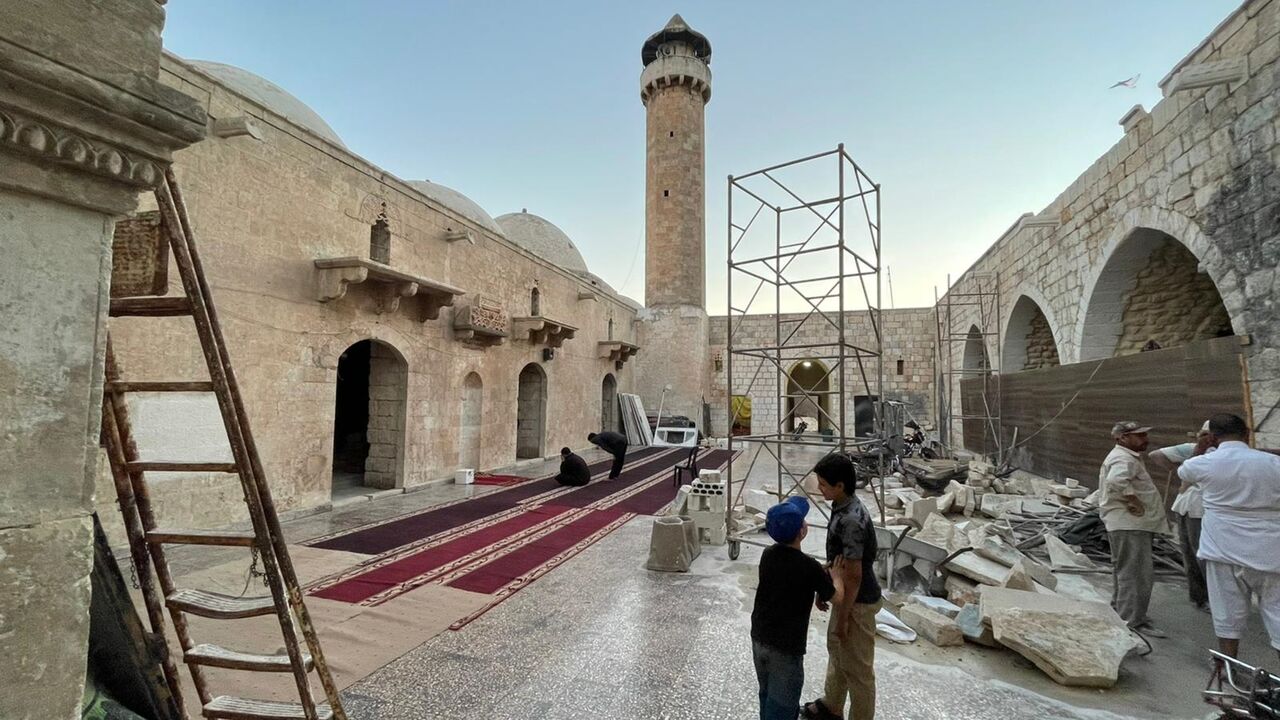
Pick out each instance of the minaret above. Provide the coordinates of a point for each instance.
(674, 87)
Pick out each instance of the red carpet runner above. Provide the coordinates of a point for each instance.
(499, 543)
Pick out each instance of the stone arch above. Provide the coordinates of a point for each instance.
(471, 421)
(1099, 329)
(975, 360)
(531, 412)
(370, 404)
(1030, 337)
(609, 402)
(809, 395)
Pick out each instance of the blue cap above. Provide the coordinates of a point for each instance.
(784, 520)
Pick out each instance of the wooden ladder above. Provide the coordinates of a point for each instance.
(148, 539)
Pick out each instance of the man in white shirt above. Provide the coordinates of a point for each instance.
(1240, 535)
(1189, 510)
(1132, 510)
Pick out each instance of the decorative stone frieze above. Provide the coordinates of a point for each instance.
(482, 322)
(389, 286)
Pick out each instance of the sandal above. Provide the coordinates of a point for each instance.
(818, 710)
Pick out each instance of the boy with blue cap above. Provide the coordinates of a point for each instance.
(789, 582)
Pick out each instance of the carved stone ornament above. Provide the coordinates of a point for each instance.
(56, 144)
(482, 322)
(616, 351)
(540, 330)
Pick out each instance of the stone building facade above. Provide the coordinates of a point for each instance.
(907, 355)
(1173, 235)
(470, 342)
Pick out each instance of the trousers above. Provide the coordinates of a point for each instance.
(1133, 574)
(851, 664)
(1189, 539)
(616, 470)
(781, 678)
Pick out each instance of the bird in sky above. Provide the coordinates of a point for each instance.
(1130, 83)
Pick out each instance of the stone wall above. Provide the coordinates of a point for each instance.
(675, 353)
(908, 336)
(388, 384)
(1171, 303)
(1199, 168)
(675, 199)
(1042, 349)
(263, 211)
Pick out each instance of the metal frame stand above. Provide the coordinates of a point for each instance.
(954, 325)
(822, 257)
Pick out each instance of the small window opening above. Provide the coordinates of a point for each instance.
(901, 367)
(671, 134)
(535, 303)
(380, 240)
(666, 193)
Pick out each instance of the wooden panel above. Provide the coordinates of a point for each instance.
(1063, 415)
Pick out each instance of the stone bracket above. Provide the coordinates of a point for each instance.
(390, 287)
(240, 125)
(1203, 75)
(481, 323)
(543, 331)
(584, 294)
(616, 350)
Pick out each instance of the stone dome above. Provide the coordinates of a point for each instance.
(270, 96)
(540, 237)
(459, 203)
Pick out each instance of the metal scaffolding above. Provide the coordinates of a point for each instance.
(968, 315)
(804, 253)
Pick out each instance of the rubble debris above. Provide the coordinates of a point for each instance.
(995, 505)
(963, 498)
(993, 548)
(937, 530)
(936, 604)
(1018, 578)
(972, 626)
(917, 511)
(976, 567)
(1061, 556)
(932, 626)
(960, 590)
(1069, 493)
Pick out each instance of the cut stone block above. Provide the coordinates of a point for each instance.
(945, 502)
(978, 568)
(995, 505)
(939, 605)
(1062, 556)
(933, 626)
(937, 530)
(963, 498)
(971, 625)
(1018, 579)
(918, 511)
(756, 501)
(1069, 492)
(1040, 573)
(993, 548)
(1018, 486)
(1073, 647)
(961, 590)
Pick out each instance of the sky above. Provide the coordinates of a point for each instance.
(967, 113)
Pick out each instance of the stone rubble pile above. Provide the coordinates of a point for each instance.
(971, 581)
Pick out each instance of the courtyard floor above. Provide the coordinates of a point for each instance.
(601, 637)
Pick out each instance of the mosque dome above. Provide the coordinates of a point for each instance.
(540, 237)
(459, 203)
(270, 96)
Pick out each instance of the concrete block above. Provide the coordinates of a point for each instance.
(918, 511)
(933, 626)
(936, 604)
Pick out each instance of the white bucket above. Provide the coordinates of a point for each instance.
(464, 476)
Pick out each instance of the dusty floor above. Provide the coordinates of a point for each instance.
(601, 637)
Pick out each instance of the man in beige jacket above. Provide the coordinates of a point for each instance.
(1132, 510)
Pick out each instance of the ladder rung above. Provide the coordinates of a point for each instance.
(218, 606)
(218, 656)
(149, 386)
(233, 708)
(178, 466)
(201, 537)
(150, 307)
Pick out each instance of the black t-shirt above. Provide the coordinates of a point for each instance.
(851, 534)
(788, 581)
(574, 470)
(611, 442)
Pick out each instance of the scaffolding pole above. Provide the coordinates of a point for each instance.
(822, 258)
(967, 316)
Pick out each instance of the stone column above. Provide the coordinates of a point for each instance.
(85, 127)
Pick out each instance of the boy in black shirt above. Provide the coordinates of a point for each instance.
(789, 580)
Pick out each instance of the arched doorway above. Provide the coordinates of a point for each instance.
(469, 435)
(1150, 294)
(531, 412)
(809, 396)
(1029, 342)
(975, 362)
(369, 418)
(609, 403)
